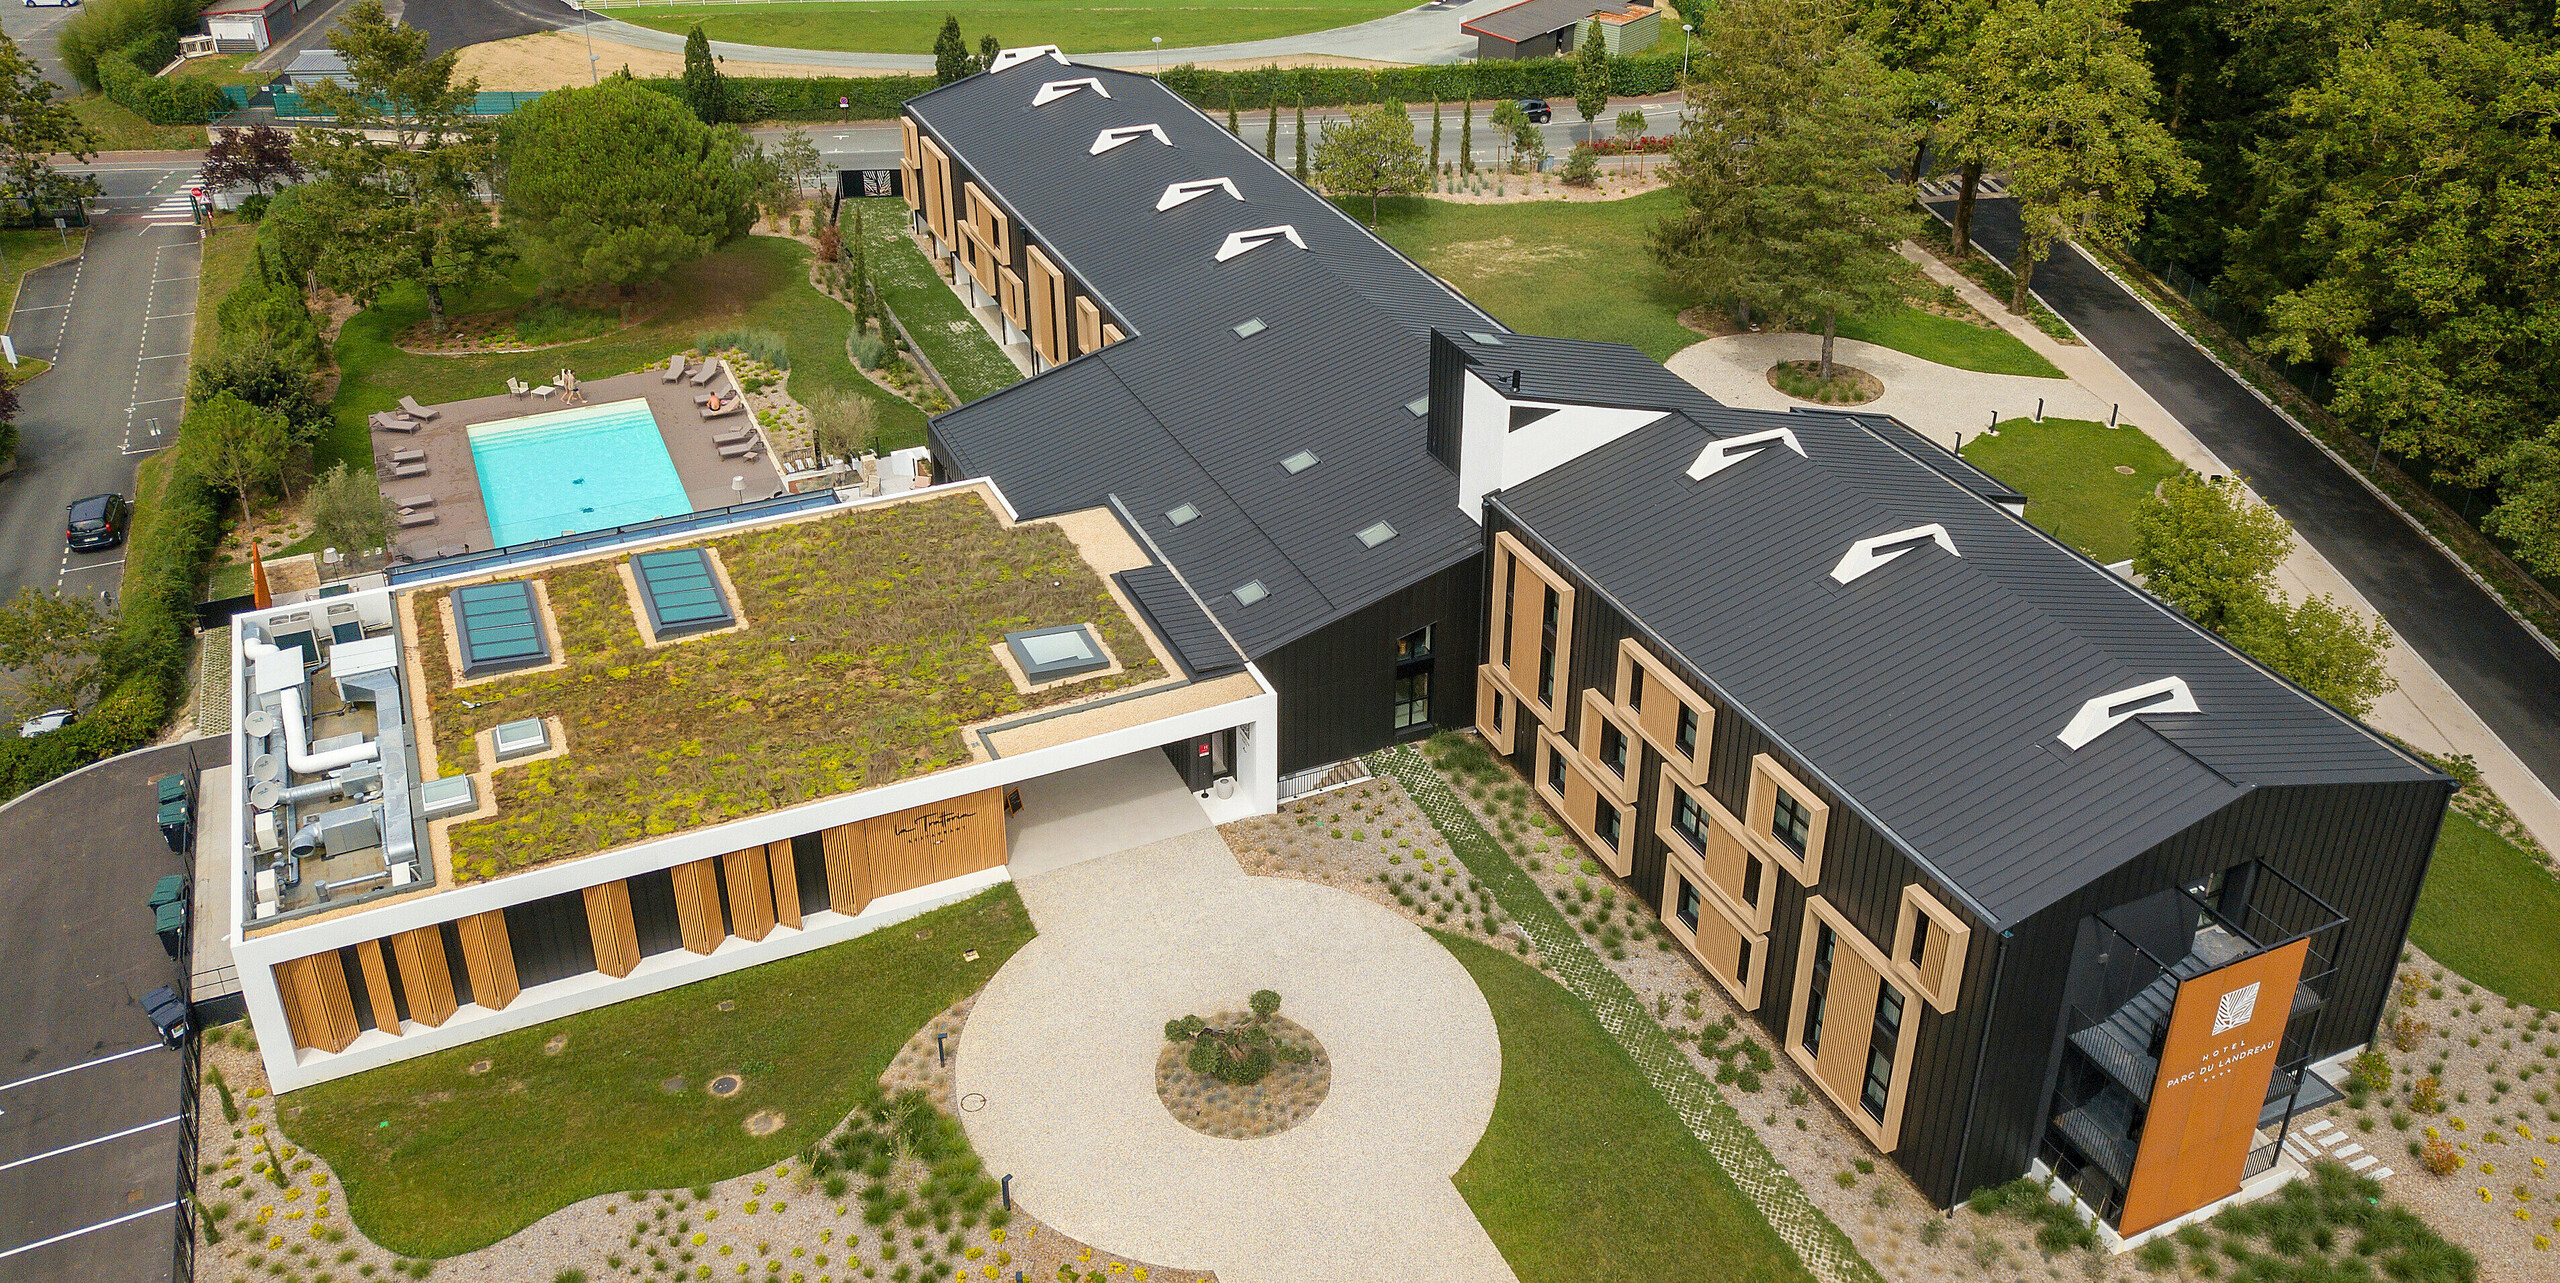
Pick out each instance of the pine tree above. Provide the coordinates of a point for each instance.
(1467, 138)
(1231, 110)
(950, 52)
(1302, 138)
(1435, 134)
(1271, 130)
(988, 48)
(1591, 76)
(705, 89)
(860, 248)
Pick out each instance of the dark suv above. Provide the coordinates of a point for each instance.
(96, 522)
(1537, 110)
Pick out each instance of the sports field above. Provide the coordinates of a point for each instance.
(909, 26)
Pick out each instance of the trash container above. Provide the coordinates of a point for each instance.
(168, 1014)
(174, 824)
(169, 890)
(170, 920)
(173, 788)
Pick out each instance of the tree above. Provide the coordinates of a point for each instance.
(1371, 154)
(1591, 76)
(615, 185)
(55, 647)
(1467, 138)
(1435, 134)
(236, 446)
(1786, 205)
(706, 91)
(259, 157)
(1232, 129)
(33, 130)
(841, 424)
(950, 52)
(2060, 99)
(861, 253)
(2202, 547)
(268, 378)
(1271, 130)
(1631, 127)
(1582, 167)
(988, 48)
(348, 512)
(796, 161)
(1506, 119)
(1301, 168)
(394, 197)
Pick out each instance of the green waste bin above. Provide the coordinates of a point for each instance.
(170, 920)
(173, 788)
(169, 890)
(173, 824)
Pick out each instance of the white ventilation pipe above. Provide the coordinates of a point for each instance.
(297, 750)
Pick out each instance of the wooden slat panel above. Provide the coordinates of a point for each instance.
(377, 986)
(1088, 326)
(972, 836)
(489, 959)
(288, 980)
(617, 941)
(848, 868)
(901, 858)
(425, 974)
(750, 892)
(328, 1012)
(698, 905)
(785, 883)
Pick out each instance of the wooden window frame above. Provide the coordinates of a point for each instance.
(1939, 978)
(1523, 668)
(1088, 318)
(911, 160)
(1767, 777)
(1492, 685)
(937, 191)
(1618, 860)
(1597, 710)
(1886, 1134)
(1746, 992)
(1755, 917)
(1665, 695)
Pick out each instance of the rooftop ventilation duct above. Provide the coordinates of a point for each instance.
(1722, 454)
(1867, 554)
(1242, 242)
(1185, 193)
(1057, 89)
(2106, 712)
(1028, 53)
(1111, 138)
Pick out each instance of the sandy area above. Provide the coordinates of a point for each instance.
(553, 59)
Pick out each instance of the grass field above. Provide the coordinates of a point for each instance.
(950, 337)
(905, 27)
(438, 1160)
(1586, 271)
(1585, 1175)
(2487, 911)
(757, 282)
(2074, 475)
(119, 129)
(24, 249)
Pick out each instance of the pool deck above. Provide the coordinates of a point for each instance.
(462, 516)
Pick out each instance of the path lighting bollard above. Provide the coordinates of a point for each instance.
(2111, 413)
(1008, 1194)
(940, 1056)
(2039, 409)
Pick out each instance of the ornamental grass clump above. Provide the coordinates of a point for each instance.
(1238, 1055)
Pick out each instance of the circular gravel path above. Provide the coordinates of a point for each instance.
(1061, 1052)
(1940, 401)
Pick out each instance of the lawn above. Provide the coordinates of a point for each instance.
(758, 282)
(119, 129)
(1585, 1174)
(438, 1160)
(2487, 911)
(230, 245)
(951, 338)
(2074, 473)
(902, 27)
(24, 249)
(1586, 271)
(221, 69)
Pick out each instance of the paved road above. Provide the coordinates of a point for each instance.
(77, 861)
(116, 322)
(2497, 668)
(36, 30)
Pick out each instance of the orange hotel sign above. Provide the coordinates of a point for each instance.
(2214, 1069)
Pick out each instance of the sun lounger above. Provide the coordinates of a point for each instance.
(740, 450)
(452, 549)
(517, 388)
(418, 500)
(416, 411)
(386, 421)
(710, 370)
(408, 470)
(732, 437)
(725, 411)
(408, 456)
(675, 368)
(413, 520)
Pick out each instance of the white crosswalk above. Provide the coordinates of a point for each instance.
(1948, 187)
(177, 209)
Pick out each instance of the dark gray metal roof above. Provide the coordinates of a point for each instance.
(1929, 692)
(1934, 455)
(1185, 411)
(1198, 646)
(1536, 18)
(1577, 371)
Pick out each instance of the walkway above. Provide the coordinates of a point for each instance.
(1062, 1048)
(2498, 668)
(1940, 402)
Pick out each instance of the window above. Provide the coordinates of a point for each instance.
(1299, 462)
(1635, 687)
(1053, 654)
(1413, 679)
(1250, 592)
(1510, 582)
(1524, 415)
(1547, 650)
(1790, 821)
(1613, 748)
(1555, 770)
(1183, 515)
(1751, 882)
(1370, 536)
(1247, 329)
(1742, 963)
(1497, 710)
(1688, 909)
(1919, 937)
(1819, 989)
(1604, 821)
(1880, 1044)
(1687, 741)
(1689, 820)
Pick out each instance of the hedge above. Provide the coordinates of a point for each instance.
(880, 97)
(107, 27)
(125, 75)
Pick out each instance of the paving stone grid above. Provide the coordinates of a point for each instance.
(1819, 1244)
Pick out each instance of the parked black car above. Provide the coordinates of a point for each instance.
(98, 521)
(1537, 110)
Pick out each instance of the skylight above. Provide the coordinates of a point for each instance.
(1049, 654)
(1183, 515)
(1176, 194)
(1486, 339)
(1419, 406)
(1251, 592)
(1247, 329)
(680, 592)
(1869, 553)
(500, 629)
(1724, 452)
(1299, 462)
(1372, 536)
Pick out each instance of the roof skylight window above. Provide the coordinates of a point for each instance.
(1372, 536)
(1488, 340)
(1183, 515)
(1299, 462)
(1251, 592)
(500, 628)
(1050, 654)
(680, 592)
(1247, 329)
(1419, 406)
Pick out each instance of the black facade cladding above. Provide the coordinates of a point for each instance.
(656, 924)
(1337, 684)
(549, 939)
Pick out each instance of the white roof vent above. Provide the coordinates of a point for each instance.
(1028, 53)
(2106, 712)
(1110, 138)
(1239, 242)
(1864, 556)
(1185, 193)
(1728, 451)
(1057, 89)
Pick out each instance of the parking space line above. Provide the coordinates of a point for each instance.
(86, 1064)
(94, 1140)
(89, 1229)
(171, 316)
(163, 280)
(95, 565)
(167, 356)
(49, 307)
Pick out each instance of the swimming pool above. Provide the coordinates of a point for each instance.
(571, 471)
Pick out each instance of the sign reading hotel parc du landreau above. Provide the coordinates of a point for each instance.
(2214, 1068)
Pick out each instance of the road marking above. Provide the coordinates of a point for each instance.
(90, 1229)
(160, 401)
(167, 356)
(170, 316)
(46, 308)
(163, 280)
(96, 565)
(86, 1064)
(94, 1140)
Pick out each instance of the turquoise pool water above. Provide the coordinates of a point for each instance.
(572, 471)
